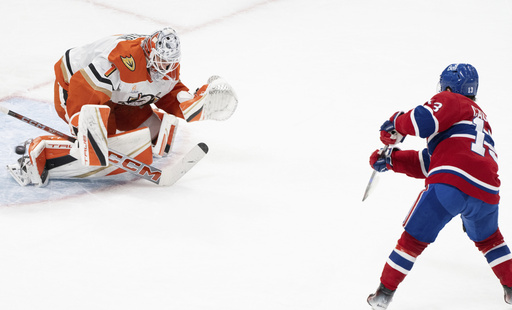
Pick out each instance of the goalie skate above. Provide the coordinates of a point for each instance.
(25, 173)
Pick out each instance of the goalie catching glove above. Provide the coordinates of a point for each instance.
(215, 100)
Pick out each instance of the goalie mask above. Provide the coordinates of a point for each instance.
(162, 51)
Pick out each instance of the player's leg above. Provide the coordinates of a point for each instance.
(481, 225)
(163, 127)
(422, 225)
(51, 157)
(135, 143)
(44, 152)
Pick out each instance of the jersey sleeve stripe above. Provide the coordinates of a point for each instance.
(98, 76)
(68, 62)
(95, 84)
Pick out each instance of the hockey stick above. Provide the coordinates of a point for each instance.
(164, 177)
(374, 173)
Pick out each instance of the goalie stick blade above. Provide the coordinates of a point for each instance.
(176, 171)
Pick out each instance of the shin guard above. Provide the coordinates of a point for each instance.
(401, 260)
(498, 257)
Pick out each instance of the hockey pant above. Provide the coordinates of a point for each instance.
(435, 207)
(61, 158)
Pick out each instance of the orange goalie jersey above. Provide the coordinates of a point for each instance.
(120, 93)
(113, 71)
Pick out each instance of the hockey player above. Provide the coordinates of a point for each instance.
(460, 170)
(122, 92)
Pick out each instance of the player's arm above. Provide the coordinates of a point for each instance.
(170, 103)
(216, 100)
(436, 115)
(412, 163)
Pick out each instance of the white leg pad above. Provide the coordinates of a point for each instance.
(166, 134)
(92, 135)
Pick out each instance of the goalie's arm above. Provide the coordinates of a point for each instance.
(170, 103)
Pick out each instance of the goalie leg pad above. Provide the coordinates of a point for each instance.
(135, 143)
(32, 168)
(166, 134)
(52, 157)
(92, 135)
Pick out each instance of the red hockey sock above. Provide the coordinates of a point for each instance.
(498, 256)
(401, 260)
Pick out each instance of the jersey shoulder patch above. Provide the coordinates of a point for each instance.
(128, 57)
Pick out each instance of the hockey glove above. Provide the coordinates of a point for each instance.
(388, 133)
(382, 162)
(215, 100)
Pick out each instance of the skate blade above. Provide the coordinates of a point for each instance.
(14, 171)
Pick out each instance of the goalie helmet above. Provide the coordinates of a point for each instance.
(163, 52)
(460, 78)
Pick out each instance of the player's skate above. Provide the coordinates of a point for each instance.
(381, 298)
(508, 294)
(25, 173)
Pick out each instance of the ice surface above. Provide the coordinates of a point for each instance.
(272, 217)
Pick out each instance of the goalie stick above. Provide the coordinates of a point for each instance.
(374, 173)
(164, 177)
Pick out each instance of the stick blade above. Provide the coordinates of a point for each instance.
(371, 184)
(172, 174)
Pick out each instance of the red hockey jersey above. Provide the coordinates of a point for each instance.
(460, 149)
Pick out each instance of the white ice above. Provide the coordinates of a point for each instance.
(272, 218)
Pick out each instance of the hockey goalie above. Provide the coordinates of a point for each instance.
(122, 92)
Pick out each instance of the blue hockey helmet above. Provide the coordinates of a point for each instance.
(460, 78)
